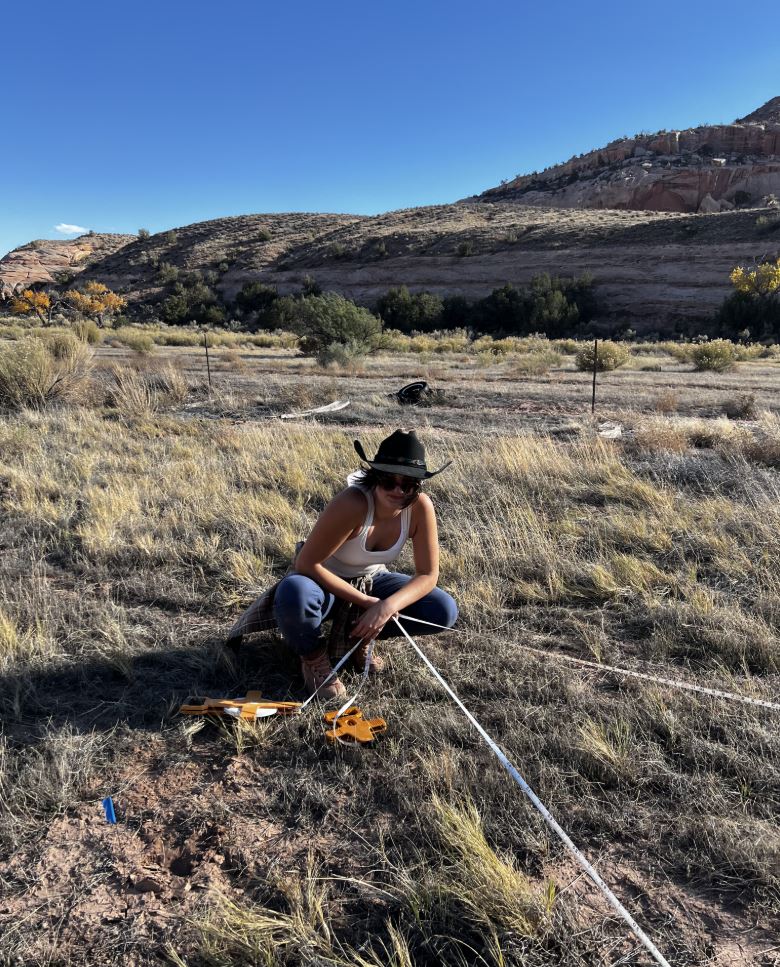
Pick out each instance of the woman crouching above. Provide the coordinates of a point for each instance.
(362, 530)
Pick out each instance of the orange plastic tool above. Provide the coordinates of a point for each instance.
(352, 727)
(252, 706)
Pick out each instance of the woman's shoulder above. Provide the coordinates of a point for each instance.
(351, 499)
(421, 509)
(423, 504)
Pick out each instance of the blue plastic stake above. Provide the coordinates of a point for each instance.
(108, 808)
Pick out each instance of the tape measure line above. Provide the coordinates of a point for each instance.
(546, 815)
(674, 683)
(645, 676)
(351, 701)
(332, 674)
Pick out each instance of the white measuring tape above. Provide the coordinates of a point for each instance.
(549, 819)
(333, 673)
(544, 811)
(645, 676)
(675, 683)
(350, 701)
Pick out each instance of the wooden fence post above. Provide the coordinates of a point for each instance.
(595, 367)
(208, 364)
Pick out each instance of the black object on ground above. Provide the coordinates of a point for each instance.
(417, 394)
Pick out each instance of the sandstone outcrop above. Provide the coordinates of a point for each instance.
(670, 171)
(45, 261)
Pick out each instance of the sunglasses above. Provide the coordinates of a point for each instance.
(408, 485)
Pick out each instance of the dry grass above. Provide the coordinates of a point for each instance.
(133, 534)
(37, 374)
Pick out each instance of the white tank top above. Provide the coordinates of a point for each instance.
(352, 560)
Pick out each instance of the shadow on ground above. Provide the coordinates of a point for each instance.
(141, 691)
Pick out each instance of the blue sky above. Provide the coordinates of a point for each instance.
(130, 115)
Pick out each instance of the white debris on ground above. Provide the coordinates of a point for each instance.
(328, 408)
(610, 430)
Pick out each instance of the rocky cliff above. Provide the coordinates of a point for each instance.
(49, 261)
(704, 169)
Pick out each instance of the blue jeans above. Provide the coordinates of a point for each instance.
(301, 605)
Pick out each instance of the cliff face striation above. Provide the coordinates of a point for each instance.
(705, 169)
(45, 261)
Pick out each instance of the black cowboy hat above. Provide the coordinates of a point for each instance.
(401, 453)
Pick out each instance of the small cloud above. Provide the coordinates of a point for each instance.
(65, 229)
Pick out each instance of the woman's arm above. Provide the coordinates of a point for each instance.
(341, 516)
(425, 544)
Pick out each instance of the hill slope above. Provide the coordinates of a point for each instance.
(649, 267)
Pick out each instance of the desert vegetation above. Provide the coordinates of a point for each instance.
(141, 513)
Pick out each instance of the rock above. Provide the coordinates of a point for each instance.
(708, 205)
(42, 260)
(723, 159)
(610, 431)
(147, 884)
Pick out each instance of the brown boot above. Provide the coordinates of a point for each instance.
(316, 669)
(376, 664)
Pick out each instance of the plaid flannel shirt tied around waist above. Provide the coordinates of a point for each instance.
(259, 616)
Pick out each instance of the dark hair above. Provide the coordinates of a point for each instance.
(370, 478)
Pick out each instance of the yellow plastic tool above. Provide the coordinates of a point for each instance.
(352, 727)
(252, 706)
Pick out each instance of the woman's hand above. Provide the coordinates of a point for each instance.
(373, 619)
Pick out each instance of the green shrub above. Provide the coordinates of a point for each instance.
(30, 375)
(325, 320)
(191, 300)
(167, 273)
(144, 233)
(740, 311)
(465, 248)
(406, 311)
(261, 302)
(548, 304)
(610, 356)
(717, 356)
(340, 354)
